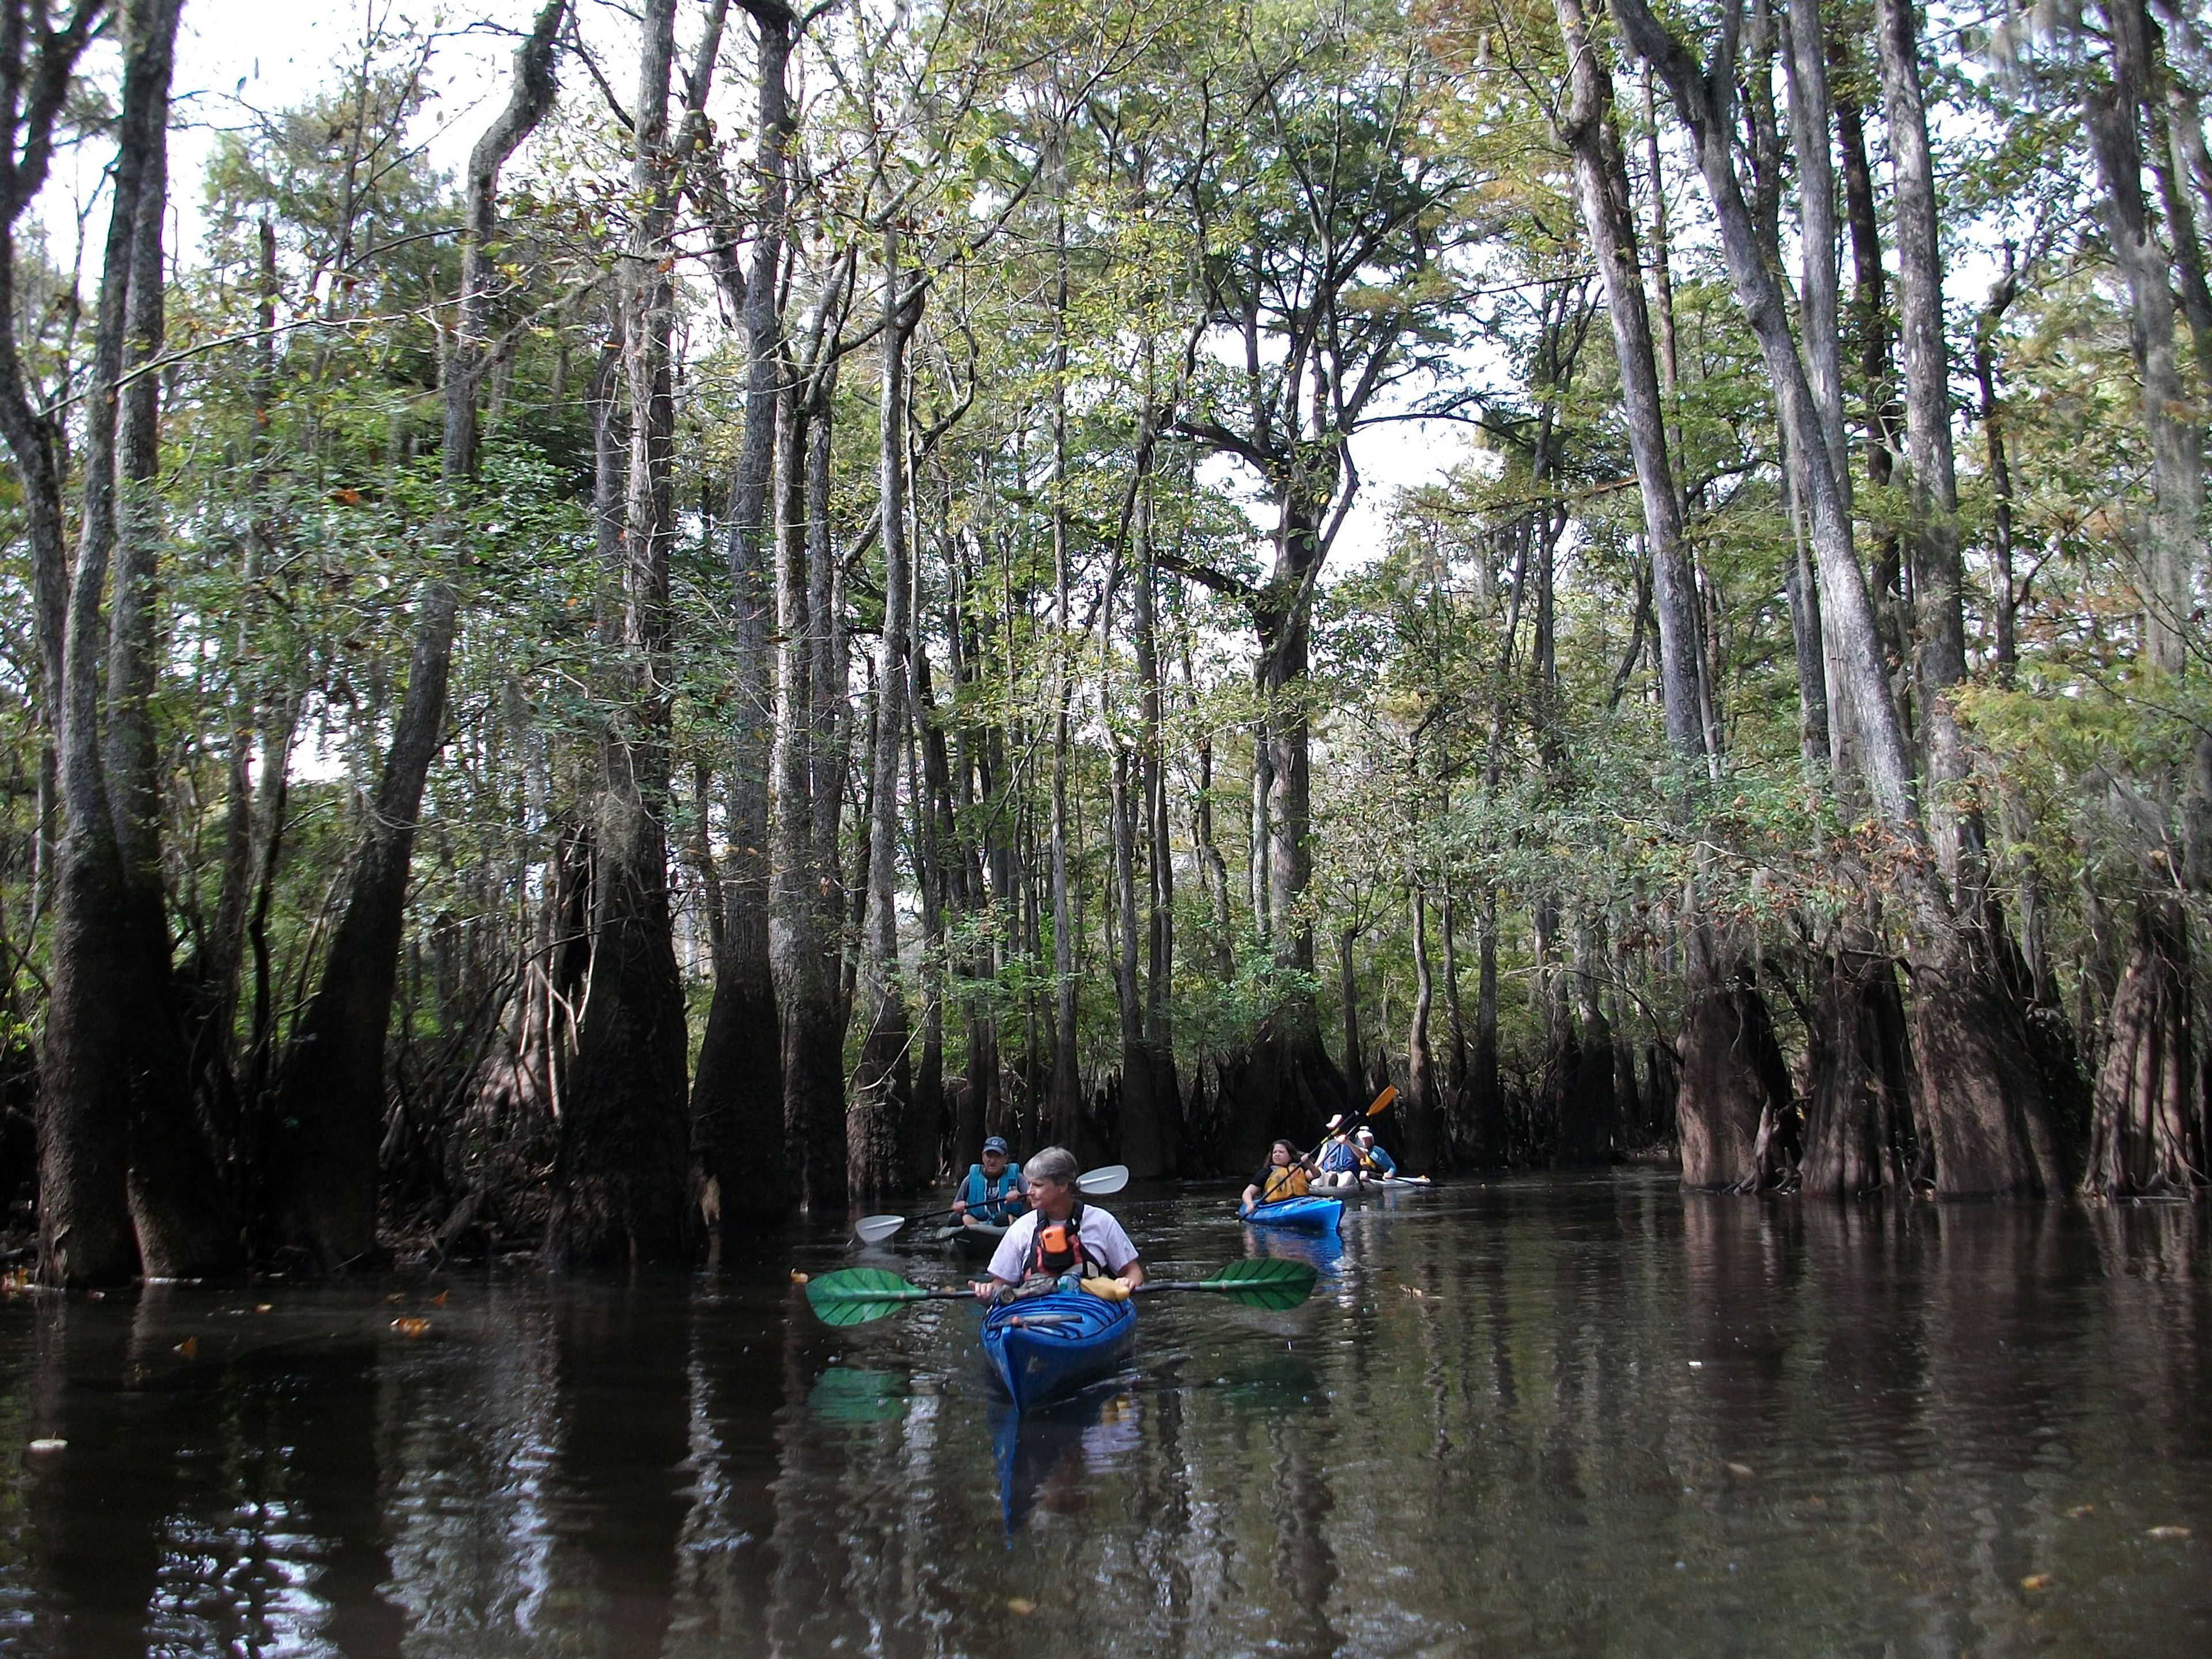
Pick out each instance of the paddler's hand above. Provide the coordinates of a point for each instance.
(984, 1289)
(1107, 1289)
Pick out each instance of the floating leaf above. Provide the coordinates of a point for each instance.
(2036, 1581)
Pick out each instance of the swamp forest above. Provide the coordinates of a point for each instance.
(622, 622)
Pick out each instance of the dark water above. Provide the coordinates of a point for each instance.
(1571, 1414)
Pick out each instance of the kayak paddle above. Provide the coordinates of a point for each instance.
(1271, 1283)
(858, 1296)
(1094, 1183)
(1382, 1103)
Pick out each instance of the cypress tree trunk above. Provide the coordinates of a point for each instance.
(736, 1098)
(331, 1090)
(2145, 1135)
(1420, 1119)
(2112, 110)
(120, 1149)
(622, 1185)
(1986, 1110)
(1159, 844)
(1858, 1112)
(878, 1104)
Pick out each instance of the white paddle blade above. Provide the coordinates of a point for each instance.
(875, 1228)
(1096, 1183)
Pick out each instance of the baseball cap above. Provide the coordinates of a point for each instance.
(995, 1144)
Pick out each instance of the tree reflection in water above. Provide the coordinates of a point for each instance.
(1558, 1413)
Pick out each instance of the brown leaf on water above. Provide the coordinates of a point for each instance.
(439, 1300)
(1742, 1471)
(1020, 1604)
(410, 1327)
(2081, 1509)
(2169, 1532)
(394, 1297)
(2036, 1581)
(262, 1307)
(797, 1277)
(190, 1347)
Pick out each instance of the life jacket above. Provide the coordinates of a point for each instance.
(1288, 1182)
(1058, 1246)
(1338, 1156)
(981, 1193)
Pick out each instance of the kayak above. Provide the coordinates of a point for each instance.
(978, 1238)
(1313, 1215)
(1390, 1184)
(1050, 1344)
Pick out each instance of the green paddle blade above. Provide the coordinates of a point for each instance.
(1271, 1283)
(853, 1296)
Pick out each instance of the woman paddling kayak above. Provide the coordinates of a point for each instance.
(1288, 1176)
(1061, 1242)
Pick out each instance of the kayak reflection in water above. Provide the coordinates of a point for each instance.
(1063, 1242)
(1288, 1176)
(1046, 1459)
(992, 1194)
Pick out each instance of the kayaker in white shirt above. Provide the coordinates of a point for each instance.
(1061, 1241)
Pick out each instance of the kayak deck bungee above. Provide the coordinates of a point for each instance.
(1309, 1214)
(1046, 1346)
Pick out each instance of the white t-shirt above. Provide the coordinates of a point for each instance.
(1104, 1241)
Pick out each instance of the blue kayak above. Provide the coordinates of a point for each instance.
(1050, 1344)
(1312, 1215)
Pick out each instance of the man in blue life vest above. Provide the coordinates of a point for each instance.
(1375, 1163)
(993, 1192)
(1338, 1162)
(1063, 1242)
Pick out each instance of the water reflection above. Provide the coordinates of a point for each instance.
(1048, 1458)
(1560, 1415)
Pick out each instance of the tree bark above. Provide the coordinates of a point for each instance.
(1733, 1079)
(1938, 580)
(623, 1182)
(1420, 1118)
(879, 1104)
(812, 1032)
(1858, 1111)
(120, 1149)
(1601, 187)
(2173, 539)
(737, 1096)
(2145, 1133)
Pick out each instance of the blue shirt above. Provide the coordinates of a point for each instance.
(1382, 1162)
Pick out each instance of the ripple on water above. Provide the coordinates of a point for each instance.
(1578, 1413)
